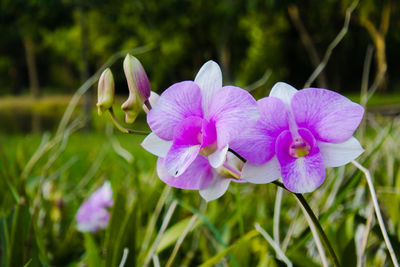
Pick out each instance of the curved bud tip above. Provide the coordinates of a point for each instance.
(131, 107)
(138, 83)
(105, 91)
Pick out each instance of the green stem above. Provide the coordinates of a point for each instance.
(122, 128)
(318, 226)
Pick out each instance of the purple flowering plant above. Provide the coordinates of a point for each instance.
(93, 214)
(207, 135)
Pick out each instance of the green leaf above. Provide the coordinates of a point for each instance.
(349, 256)
(174, 232)
(92, 251)
(19, 235)
(217, 258)
(116, 218)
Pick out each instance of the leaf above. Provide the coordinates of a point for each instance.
(349, 256)
(92, 251)
(217, 258)
(174, 232)
(114, 226)
(19, 236)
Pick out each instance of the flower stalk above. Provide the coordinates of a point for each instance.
(122, 128)
(324, 238)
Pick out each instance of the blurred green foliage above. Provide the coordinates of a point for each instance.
(245, 37)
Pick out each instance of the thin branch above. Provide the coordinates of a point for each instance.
(275, 245)
(122, 128)
(305, 37)
(314, 232)
(316, 226)
(263, 80)
(277, 211)
(332, 45)
(180, 240)
(364, 241)
(124, 257)
(164, 226)
(377, 211)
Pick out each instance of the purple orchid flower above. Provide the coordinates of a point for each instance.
(299, 133)
(200, 117)
(92, 214)
(211, 182)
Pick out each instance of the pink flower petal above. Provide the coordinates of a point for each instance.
(209, 79)
(186, 146)
(233, 110)
(261, 174)
(216, 189)
(180, 101)
(304, 174)
(257, 144)
(284, 92)
(198, 175)
(330, 116)
(155, 145)
(218, 158)
(335, 155)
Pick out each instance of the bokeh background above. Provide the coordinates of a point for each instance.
(50, 160)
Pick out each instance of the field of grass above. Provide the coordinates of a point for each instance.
(45, 178)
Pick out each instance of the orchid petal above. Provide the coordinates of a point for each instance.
(233, 109)
(304, 174)
(284, 92)
(180, 101)
(261, 174)
(209, 79)
(155, 145)
(257, 144)
(198, 175)
(218, 158)
(216, 189)
(186, 146)
(330, 116)
(335, 155)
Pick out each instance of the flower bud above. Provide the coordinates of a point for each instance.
(105, 91)
(139, 88)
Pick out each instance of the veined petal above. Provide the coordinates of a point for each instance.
(233, 110)
(198, 175)
(261, 174)
(180, 101)
(155, 145)
(335, 155)
(330, 116)
(218, 158)
(303, 174)
(209, 79)
(186, 146)
(216, 189)
(284, 92)
(257, 144)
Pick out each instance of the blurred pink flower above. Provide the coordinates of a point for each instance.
(93, 214)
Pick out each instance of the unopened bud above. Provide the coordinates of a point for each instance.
(139, 87)
(105, 91)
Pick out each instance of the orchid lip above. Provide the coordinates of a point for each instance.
(299, 148)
